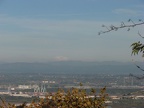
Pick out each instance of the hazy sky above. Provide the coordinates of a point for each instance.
(47, 30)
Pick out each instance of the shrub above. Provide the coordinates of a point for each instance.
(72, 98)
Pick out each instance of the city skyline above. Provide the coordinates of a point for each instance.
(63, 30)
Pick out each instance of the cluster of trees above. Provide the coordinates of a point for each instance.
(73, 98)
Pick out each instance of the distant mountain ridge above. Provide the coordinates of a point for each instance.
(71, 67)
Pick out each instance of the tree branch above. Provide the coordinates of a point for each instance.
(137, 47)
(139, 78)
(140, 34)
(123, 25)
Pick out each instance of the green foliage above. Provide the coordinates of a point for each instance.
(137, 47)
(73, 98)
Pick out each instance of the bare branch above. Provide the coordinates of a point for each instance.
(123, 25)
(139, 68)
(137, 65)
(137, 77)
(140, 34)
(131, 21)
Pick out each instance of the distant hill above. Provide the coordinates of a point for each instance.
(71, 67)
